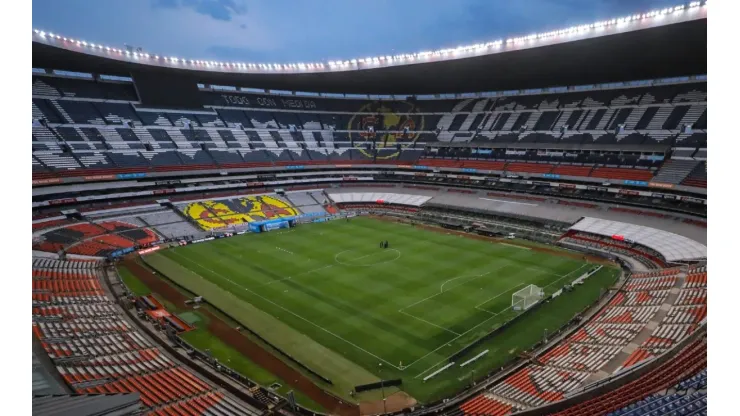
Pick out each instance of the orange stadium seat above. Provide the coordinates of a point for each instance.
(622, 173)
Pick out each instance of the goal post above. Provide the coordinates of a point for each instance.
(523, 299)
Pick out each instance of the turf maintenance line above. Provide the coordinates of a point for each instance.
(289, 311)
(430, 323)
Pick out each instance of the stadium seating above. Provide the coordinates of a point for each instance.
(96, 351)
(621, 173)
(223, 213)
(646, 256)
(566, 367)
(697, 177)
(675, 170)
(687, 363)
(94, 239)
(101, 141)
(686, 314)
(168, 224)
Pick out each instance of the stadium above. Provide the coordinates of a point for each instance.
(511, 227)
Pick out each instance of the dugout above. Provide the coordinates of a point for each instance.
(270, 225)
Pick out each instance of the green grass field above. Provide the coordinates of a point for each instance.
(355, 313)
(203, 340)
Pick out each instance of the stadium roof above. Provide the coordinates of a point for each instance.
(649, 46)
(672, 246)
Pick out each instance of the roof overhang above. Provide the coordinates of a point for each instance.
(678, 48)
(673, 247)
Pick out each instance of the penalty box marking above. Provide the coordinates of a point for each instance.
(489, 318)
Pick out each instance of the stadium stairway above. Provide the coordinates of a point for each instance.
(697, 177)
(675, 170)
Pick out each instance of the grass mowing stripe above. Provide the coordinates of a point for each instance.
(203, 340)
(132, 283)
(291, 312)
(368, 304)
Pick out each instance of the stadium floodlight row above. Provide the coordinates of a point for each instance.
(681, 12)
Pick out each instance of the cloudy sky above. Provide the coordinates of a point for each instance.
(282, 31)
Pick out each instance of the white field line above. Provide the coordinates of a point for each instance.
(366, 256)
(299, 274)
(448, 342)
(515, 246)
(430, 323)
(336, 258)
(437, 294)
(400, 310)
(508, 202)
(478, 306)
(284, 250)
(568, 274)
(489, 318)
(441, 287)
(290, 312)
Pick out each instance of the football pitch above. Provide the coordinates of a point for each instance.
(355, 313)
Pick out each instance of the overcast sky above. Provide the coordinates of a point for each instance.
(283, 31)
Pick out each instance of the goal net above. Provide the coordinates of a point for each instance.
(523, 299)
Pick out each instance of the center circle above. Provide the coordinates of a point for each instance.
(355, 258)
